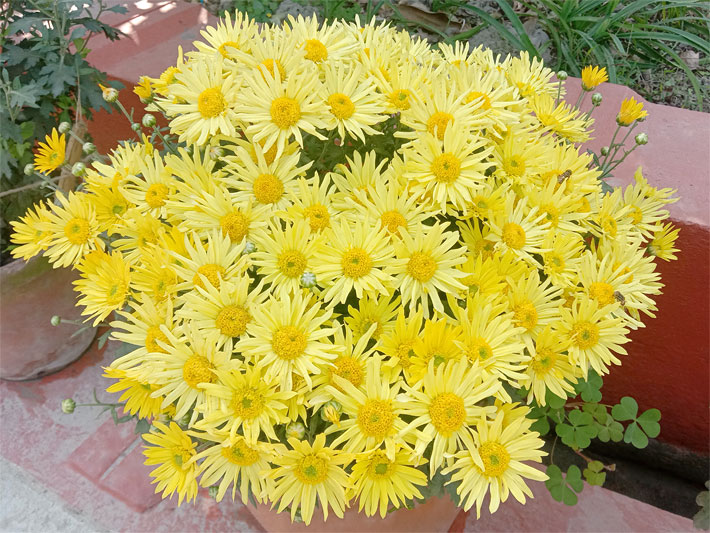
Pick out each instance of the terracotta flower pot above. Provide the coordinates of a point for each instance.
(30, 294)
(435, 515)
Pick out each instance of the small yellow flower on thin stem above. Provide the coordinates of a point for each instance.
(630, 112)
(593, 77)
(50, 154)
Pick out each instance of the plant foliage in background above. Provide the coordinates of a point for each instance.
(44, 79)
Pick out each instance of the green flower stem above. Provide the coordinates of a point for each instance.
(167, 144)
(128, 117)
(611, 145)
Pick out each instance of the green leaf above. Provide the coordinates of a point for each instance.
(649, 422)
(554, 401)
(589, 389)
(701, 520)
(541, 425)
(563, 489)
(142, 426)
(635, 435)
(580, 432)
(626, 409)
(610, 431)
(593, 474)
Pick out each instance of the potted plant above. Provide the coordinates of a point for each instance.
(362, 273)
(44, 81)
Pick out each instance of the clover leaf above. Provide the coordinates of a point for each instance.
(580, 432)
(594, 474)
(589, 388)
(563, 488)
(641, 427)
(610, 430)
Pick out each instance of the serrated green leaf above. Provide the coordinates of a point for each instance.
(626, 409)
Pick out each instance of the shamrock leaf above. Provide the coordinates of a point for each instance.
(589, 389)
(580, 432)
(594, 474)
(563, 488)
(553, 401)
(626, 409)
(610, 430)
(649, 422)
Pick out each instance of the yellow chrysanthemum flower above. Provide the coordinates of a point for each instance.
(105, 284)
(172, 449)
(378, 481)
(630, 111)
(593, 77)
(51, 153)
(136, 394)
(306, 471)
(493, 462)
(27, 235)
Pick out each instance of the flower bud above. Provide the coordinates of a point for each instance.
(88, 148)
(213, 490)
(604, 150)
(55, 320)
(29, 169)
(68, 406)
(109, 93)
(78, 169)
(641, 139)
(308, 280)
(249, 247)
(330, 412)
(136, 127)
(64, 127)
(216, 152)
(296, 430)
(561, 75)
(597, 99)
(148, 120)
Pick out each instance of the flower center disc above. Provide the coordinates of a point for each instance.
(236, 225)
(356, 263)
(152, 335)
(421, 267)
(603, 293)
(292, 263)
(268, 189)
(212, 272)
(156, 194)
(232, 320)
(315, 50)
(376, 418)
(495, 459)
(348, 368)
(585, 335)
(400, 99)
(446, 168)
(197, 369)
(437, 123)
(77, 231)
(341, 106)
(318, 216)
(240, 454)
(211, 103)
(285, 112)
(392, 220)
(514, 235)
(525, 315)
(312, 469)
(447, 413)
(289, 342)
(247, 403)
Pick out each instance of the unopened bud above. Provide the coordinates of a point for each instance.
(88, 148)
(136, 127)
(641, 139)
(78, 169)
(68, 406)
(604, 150)
(55, 320)
(29, 169)
(296, 430)
(216, 152)
(249, 247)
(109, 93)
(64, 127)
(308, 280)
(330, 412)
(148, 120)
(561, 75)
(597, 99)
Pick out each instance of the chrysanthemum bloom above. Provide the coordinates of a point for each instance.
(51, 153)
(630, 112)
(593, 76)
(308, 471)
